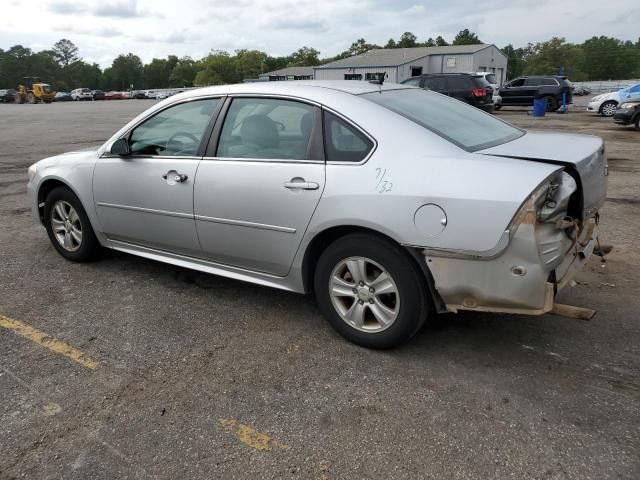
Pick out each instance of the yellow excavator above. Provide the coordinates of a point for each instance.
(34, 91)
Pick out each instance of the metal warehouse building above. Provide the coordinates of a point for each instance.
(401, 63)
(289, 73)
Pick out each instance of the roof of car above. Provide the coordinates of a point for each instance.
(301, 88)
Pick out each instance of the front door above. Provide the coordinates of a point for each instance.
(255, 195)
(146, 198)
(512, 91)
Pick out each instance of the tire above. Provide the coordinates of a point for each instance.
(608, 108)
(637, 123)
(552, 103)
(405, 309)
(497, 107)
(19, 99)
(32, 98)
(60, 204)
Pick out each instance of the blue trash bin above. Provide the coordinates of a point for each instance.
(539, 107)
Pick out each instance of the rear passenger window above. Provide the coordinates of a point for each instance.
(343, 142)
(436, 84)
(532, 82)
(548, 81)
(459, 82)
(268, 128)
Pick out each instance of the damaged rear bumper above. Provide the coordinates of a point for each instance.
(519, 280)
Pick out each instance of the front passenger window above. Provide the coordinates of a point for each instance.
(176, 131)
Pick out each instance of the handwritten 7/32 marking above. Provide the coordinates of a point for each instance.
(383, 184)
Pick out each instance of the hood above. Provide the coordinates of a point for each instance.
(582, 154)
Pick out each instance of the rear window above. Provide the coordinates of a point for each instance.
(464, 125)
(491, 78)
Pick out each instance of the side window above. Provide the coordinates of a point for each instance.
(414, 82)
(176, 131)
(532, 82)
(459, 82)
(548, 81)
(435, 83)
(268, 128)
(518, 82)
(343, 142)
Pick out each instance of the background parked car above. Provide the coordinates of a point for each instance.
(81, 94)
(470, 88)
(7, 95)
(63, 97)
(113, 96)
(127, 94)
(98, 94)
(140, 95)
(628, 112)
(580, 90)
(522, 91)
(491, 79)
(607, 103)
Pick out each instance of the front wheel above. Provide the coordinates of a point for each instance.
(637, 122)
(608, 109)
(371, 291)
(68, 226)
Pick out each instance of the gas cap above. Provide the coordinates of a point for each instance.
(430, 220)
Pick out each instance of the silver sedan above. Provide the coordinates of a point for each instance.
(390, 203)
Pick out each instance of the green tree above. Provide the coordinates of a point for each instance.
(606, 57)
(361, 46)
(126, 70)
(218, 68)
(305, 57)
(548, 58)
(441, 42)
(184, 72)
(65, 52)
(466, 37)
(515, 61)
(407, 40)
(391, 43)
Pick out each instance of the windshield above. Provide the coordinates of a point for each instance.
(462, 124)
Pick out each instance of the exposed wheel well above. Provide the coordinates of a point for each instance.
(46, 187)
(325, 238)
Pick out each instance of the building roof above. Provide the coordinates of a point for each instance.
(385, 57)
(284, 72)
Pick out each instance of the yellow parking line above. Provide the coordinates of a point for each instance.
(47, 341)
(249, 435)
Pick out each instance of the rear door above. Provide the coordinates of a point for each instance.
(459, 86)
(258, 187)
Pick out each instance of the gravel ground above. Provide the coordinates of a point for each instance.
(203, 377)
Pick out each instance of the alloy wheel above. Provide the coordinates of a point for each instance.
(364, 294)
(66, 226)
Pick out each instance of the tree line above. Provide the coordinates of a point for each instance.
(598, 58)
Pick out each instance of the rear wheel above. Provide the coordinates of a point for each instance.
(608, 108)
(552, 103)
(68, 226)
(371, 291)
(19, 99)
(32, 98)
(637, 122)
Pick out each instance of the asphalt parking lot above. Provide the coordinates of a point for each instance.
(128, 368)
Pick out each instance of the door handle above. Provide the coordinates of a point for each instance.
(302, 185)
(176, 177)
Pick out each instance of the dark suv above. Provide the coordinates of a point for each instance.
(472, 89)
(524, 90)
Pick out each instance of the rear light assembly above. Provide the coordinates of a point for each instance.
(478, 92)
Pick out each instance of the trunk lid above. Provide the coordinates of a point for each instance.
(582, 154)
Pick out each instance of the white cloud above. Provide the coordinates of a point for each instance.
(102, 29)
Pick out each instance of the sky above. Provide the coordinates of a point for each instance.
(157, 28)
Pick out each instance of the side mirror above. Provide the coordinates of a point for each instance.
(120, 147)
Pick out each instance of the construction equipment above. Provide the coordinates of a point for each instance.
(34, 91)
